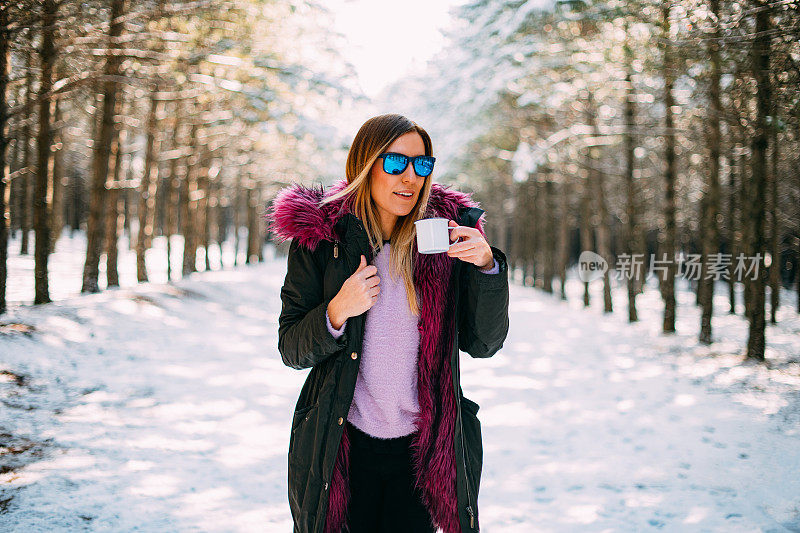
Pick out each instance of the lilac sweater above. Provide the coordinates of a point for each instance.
(385, 401)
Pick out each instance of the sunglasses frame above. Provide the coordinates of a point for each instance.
(411, 160)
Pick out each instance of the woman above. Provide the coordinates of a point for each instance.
(382, 438)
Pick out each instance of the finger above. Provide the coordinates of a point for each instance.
(362, 263)
(455, 232)
(462, 246)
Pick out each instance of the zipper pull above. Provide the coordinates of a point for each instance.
(335, 250)
(471, 517)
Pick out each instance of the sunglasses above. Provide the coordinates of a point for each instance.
(394, 163)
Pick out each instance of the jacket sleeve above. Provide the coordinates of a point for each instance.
(483, 308)
(303, 336)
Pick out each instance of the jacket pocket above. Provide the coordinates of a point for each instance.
(300, 416)
(473, 444)
(301, 449)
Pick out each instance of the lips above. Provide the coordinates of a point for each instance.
(410, 196)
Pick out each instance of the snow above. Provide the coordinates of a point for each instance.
(165, 407)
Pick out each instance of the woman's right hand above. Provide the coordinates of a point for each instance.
(359, 292)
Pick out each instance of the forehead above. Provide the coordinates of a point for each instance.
(409, 144)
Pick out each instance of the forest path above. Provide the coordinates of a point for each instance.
(167, 408)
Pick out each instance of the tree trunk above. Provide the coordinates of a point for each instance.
(711, 196)
(774, 226)
(41, 217)
(797, 179)
(549, 249)
(253, 233)
(113, 217)
(745, 217)
(759, 142)
(539, 224)
(101, 154)
(564, 224)
(629, 241)
(733, 226)
(202, 205)
(14, 166)
(57, 210)
(586, 227)
(173, 191)
(189, 188)
(668, 282)
(597, 180)
(148, 187)
(237, 209)
(220, 220)
(26, 177)
(4, 38)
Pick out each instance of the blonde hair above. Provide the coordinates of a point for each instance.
(375, 136)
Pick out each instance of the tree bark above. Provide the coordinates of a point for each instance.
(668, 282)
(760, 64)
(253, 227)
(711, 196)
(237, 213)
(797, 250)
(586, 227)
(26, 176)
(41, 217)
(113, 217)
(188, 209)
(564, 225)
(173, 190)
(774, 226)
(549, 249)
(57, 210)
(148, 187)
(732, 225)
(101, 154)
(597, 181)
(14, 165)
(203, 185)
(630, 238)
(4, 38)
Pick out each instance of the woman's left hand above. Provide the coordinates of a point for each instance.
(472, 247)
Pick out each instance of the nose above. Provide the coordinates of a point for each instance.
(409, 175)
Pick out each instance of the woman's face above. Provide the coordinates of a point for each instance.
(386, 186)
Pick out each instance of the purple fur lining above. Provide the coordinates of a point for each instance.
(295, 213)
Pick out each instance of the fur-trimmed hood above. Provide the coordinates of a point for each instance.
(295, 212)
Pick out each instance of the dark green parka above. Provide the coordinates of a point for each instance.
(461, 309)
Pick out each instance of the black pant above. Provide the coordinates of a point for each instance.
(383, 497)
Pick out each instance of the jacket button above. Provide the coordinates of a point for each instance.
(341, 420)
(354, 355)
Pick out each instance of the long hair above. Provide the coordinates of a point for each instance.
(375, 136)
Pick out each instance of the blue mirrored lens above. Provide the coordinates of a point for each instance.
(423, 166)
(394, 164)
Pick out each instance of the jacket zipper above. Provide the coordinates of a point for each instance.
(463, 454)
(336, 249)
(464, 462)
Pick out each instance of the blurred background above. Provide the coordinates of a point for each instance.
(144, 140)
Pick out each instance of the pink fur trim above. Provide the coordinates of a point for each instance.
(340, 487)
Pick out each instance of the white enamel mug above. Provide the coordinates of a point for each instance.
(433, 235)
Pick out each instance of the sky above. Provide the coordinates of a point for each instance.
(386, 39)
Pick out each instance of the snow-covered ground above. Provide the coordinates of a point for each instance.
(165, 407)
